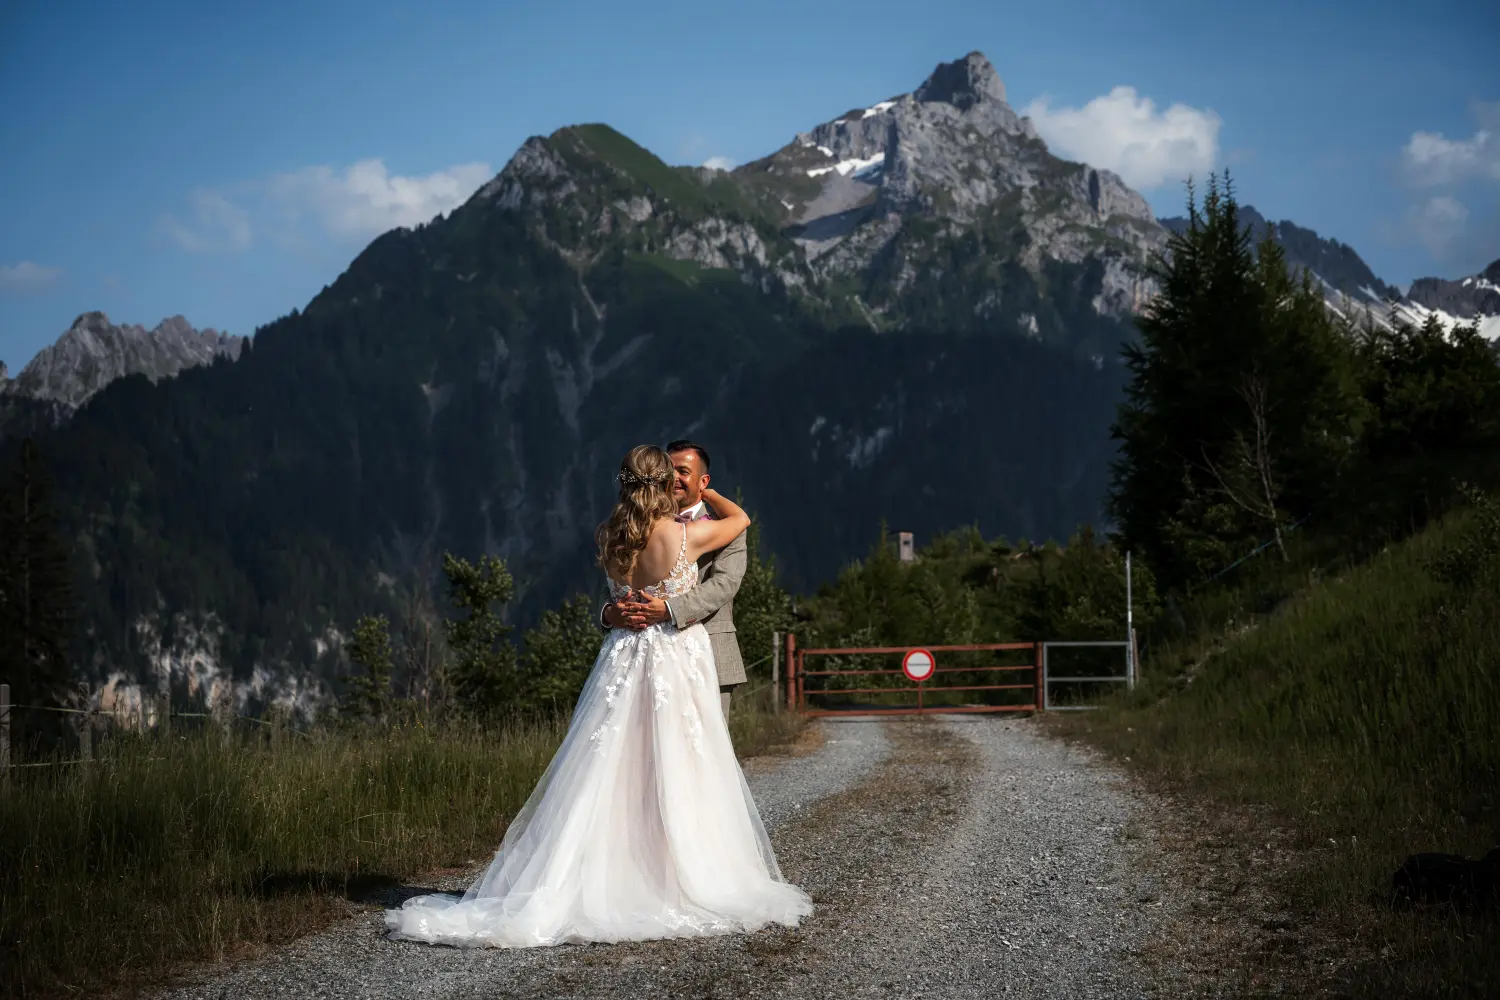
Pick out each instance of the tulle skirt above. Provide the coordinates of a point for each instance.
(642, 826)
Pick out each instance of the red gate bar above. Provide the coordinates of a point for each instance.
(940, 710)
(797, 692)
(908, 690)
(972, 648)
(938, 670)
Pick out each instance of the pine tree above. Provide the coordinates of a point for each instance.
(37, 612)
(558, 653)
(761, 606)
(483, 674)
(369, 693)
(1243, 407)
(1204, 302)
(1434, 399)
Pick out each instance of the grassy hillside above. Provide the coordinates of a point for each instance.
(1364, 710)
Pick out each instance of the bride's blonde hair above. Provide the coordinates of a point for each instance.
(645, 498)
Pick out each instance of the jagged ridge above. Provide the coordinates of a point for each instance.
(94, 352)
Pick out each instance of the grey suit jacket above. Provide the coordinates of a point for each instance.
(711, 603)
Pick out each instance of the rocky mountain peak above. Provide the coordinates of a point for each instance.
(1475, 298)
(96, 321)
(94, 352)
(534, 175)
(963, 83)
(868, 198)
(881, 187)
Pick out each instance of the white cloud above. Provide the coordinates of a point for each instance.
(363, 199)
(358, 201)
(1430, 159)
(215, 225)
(719, 163)
(1124, 132)
(1438, 223)
(26, 275)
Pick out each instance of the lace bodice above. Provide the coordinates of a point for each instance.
(684, 577)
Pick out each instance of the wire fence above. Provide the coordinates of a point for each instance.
(1257, 550)
(107, 722)
(138, 719)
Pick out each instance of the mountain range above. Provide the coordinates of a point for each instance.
(910, 314)
(95, 352)
(1351, 288)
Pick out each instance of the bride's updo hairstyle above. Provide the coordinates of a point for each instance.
(645, 497)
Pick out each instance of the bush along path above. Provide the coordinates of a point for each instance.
(948, 858)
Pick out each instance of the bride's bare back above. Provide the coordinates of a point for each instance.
(659, 558)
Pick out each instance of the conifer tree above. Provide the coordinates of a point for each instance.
(369, 693)
(37, 612)
(1243, 410)
(558, 653)
(483, 673)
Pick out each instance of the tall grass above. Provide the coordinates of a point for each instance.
(756, 723)
(199, 846)
(1366, 710)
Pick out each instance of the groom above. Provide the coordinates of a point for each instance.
(719, 576)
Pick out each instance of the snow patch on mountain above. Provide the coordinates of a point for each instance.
(857, 166)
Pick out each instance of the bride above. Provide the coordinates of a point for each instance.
(642, 826)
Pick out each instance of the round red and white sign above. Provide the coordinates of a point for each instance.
(918, 664)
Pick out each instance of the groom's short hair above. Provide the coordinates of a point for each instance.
(677, 446)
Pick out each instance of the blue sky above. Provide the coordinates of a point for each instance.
(227, 161)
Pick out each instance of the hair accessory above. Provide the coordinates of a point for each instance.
(628, 478)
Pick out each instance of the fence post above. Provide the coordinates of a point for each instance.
(4, 732)
(1041, 678)
(1135, 661)
(164, 712)
(791, 671)
(776, 671)
(86, 737)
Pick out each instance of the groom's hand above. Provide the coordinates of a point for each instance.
(639, 614)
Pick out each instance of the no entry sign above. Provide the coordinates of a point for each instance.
(918, 664)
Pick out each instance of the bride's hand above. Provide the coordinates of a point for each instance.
(721, 504)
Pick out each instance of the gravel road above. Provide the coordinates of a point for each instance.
(965, 856)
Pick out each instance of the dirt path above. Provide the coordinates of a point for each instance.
(962, 857)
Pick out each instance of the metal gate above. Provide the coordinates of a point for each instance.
(799, 673)
(808, 687)
(1050, 678)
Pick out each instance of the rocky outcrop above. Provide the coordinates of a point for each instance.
(94, 352)
(535, 175)
(953, 152)
(1477, 294)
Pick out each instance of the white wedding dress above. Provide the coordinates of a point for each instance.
(642, 826)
